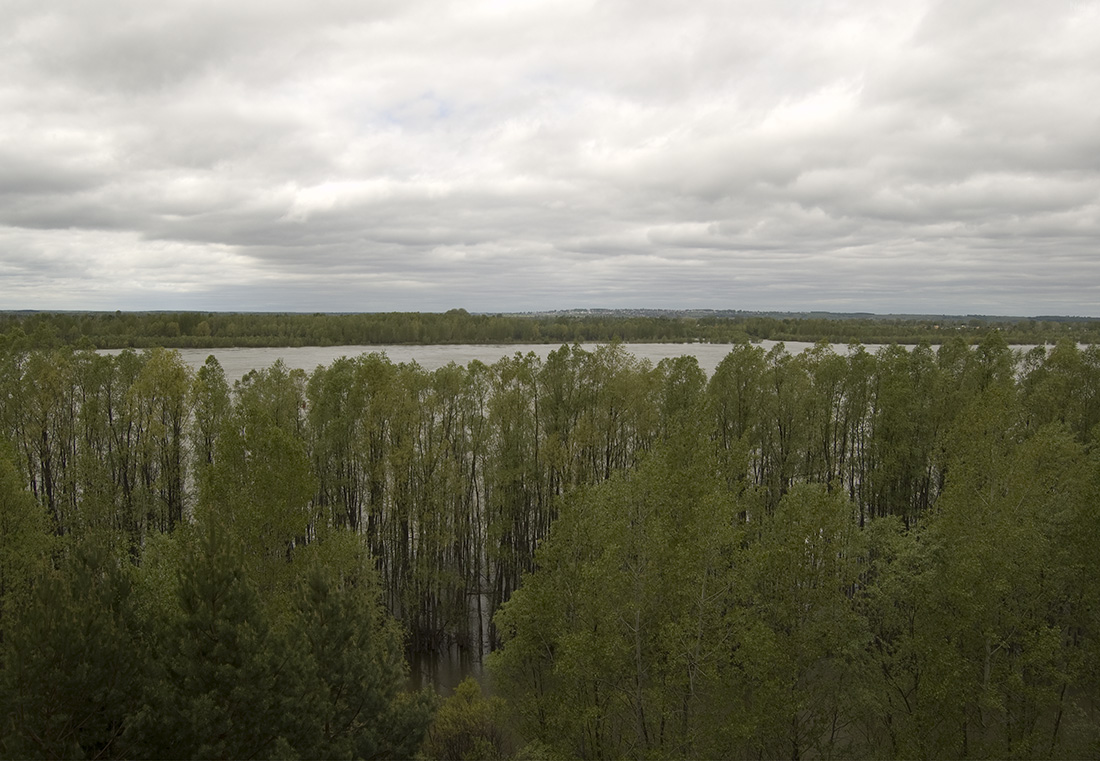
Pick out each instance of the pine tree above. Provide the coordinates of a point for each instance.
(70, 673)
(223, 682)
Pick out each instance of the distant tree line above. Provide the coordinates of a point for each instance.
(139, 330)
(813, 554)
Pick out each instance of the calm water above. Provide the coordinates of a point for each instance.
(237, 362)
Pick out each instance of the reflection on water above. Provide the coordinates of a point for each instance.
(444, 670)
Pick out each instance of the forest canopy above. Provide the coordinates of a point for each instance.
(140, 330)
(814, 554)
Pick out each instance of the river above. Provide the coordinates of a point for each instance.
(237, 362)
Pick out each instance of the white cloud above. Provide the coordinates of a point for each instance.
(521, 154)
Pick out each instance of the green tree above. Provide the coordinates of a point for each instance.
(224, 682)
(70, 675)
(358, 672)
(802, 645)
(515, 511)
(1001, 587)
(158, 401)
(25, 542)
(259, 488)
(467, 727)
(783, 423)
(617, 644)
(211, 403)
(826, 444)
(734, 393)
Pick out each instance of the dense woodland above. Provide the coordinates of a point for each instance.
(811, 555)
(117, 330)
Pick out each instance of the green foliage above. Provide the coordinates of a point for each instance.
(46, 330)
(224, 682)
(70, 677)
(183, 656)
(467, 727)
(802, 652)
(259, 486)
(210, 397)
(228, 676)
(1002, 585)
(871, 554)
(357, 665)
(614, 643)
(25, 543)
(959, 623)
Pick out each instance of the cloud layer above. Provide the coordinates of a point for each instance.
(504, 155)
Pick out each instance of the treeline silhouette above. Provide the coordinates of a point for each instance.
(117, 330)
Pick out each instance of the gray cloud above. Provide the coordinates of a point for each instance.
(525, 154)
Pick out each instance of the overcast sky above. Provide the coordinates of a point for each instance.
(507, 155)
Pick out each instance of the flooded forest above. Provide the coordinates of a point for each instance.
(805, 556)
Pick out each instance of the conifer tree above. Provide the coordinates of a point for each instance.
(70, 672)
(222, 682)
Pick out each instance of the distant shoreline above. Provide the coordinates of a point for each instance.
(223, 330)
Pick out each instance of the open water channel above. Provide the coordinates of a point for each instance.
(237, 362)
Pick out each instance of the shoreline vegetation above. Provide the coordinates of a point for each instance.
(219, 330)
(884, 554)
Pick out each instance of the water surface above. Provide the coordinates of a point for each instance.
(238, 361)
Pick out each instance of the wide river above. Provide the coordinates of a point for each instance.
(237, 362)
